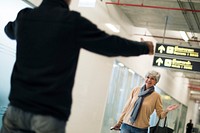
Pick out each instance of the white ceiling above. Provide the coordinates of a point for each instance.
(164, 19)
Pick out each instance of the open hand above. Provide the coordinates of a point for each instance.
(116, 127)
(150, 46)
(172, 107)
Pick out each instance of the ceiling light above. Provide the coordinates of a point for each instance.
(120, 64)
(184, 36)
(190, 34)
(112, 27)
(195, 92)
(131, 71)
(167, 97)
(87, 3)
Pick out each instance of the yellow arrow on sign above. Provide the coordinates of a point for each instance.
(159, 61)
(161, 48)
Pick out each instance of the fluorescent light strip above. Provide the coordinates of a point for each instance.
(131, 71)
(112, 27)
(184, 36)
(195, 92)
(120, 64)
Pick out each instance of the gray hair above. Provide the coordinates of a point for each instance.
(155, 74)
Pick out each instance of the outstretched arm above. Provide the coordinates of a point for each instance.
(95, 40)
(172, 107)
(159, 109)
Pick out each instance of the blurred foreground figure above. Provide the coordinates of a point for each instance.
(49, 39)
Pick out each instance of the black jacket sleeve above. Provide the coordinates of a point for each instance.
(10, 30)
(97, 41)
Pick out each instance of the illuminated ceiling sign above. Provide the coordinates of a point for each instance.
(175, 50)
(177, 57)
(176, 63)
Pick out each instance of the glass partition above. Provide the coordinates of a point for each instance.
(175, 119)
(123, 80)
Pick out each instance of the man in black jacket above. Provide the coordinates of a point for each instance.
(189, 127)
(49, 39)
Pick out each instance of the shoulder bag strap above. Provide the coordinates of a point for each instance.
(157, 124)
(165, 121)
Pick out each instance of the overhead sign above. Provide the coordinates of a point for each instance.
(177, 50)
(177, 57)
(176, 63)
